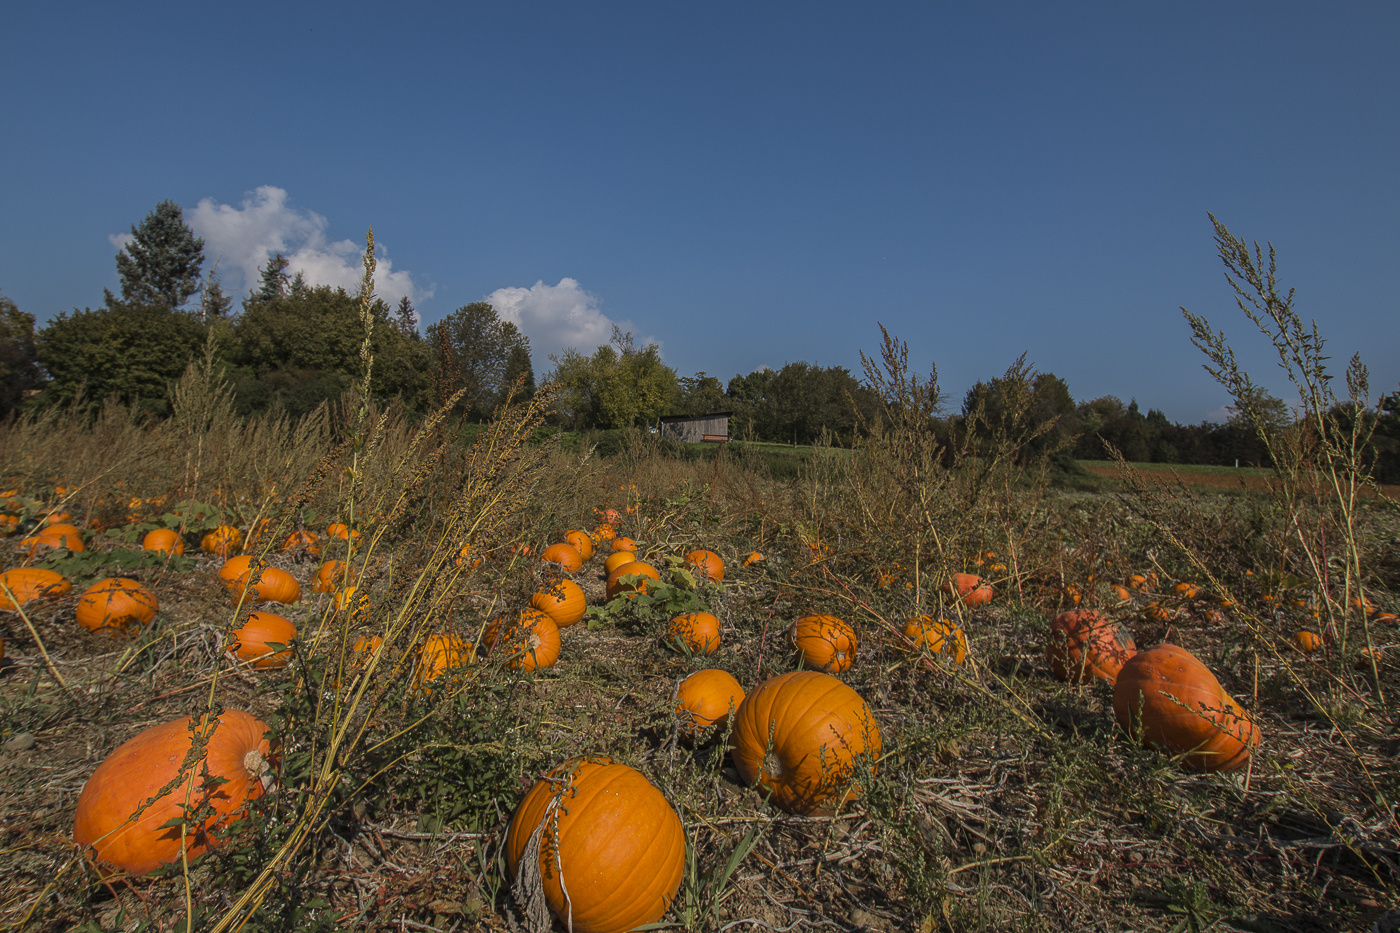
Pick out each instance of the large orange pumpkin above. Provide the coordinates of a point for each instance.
(820, 730)
(826, 643)
(268, 584)
(704, 702)
(1168, 699)
(565, 555)
(253, 642)
(608, 848)
(707, 565)
(328, 577)
(439, 655)
(116, 603)
(164, 540)
(580, 541)
(937, 637)
(970, 588)
(1083, 642)
(232, 770)
(698, 632)
(563, 601)
(54, 536)
(617, 586)
(528, 643)
(30, 583)
(222, 541)
(616, 559)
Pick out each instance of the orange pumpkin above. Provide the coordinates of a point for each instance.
(253, 642)
(439, 655)
(342, 532)
(623, 544)
(529, 643)
(1167, 699)
(937, 637)
(753, 558)
(302, 542)
(611, 849)
(825, 642)
(26, 584)
(800, 738)
(970, 588)
(232, 770)
(565, 555)
(580, 542)
(704, 702)
(564, 602)
(707, 565)
(222, 541)
(1307, 642)
(328, 577)
(53, 537)
(604, 532)
(165, 540)
(1186, 590)
(1081, 641)
(618, 586)
(263, 583)
(696, 632)
(116, 603)
(616, 559)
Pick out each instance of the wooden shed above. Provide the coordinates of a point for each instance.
(694, 429)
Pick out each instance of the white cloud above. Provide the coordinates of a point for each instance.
(243, 238)
(556, 317)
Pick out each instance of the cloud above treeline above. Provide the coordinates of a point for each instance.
(243, 238)
(557, 317)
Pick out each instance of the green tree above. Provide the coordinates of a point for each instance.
(406, 318)
(801, 402)
(1022, 414)
(214, 304)
(160, 266)
(473, 349)
(619, 385)
(273, 283)
(700, 394)
(19, 358)
(130, 351)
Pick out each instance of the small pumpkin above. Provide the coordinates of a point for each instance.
(609, 849)
(704, 702)
(707, 565)
(223, 541)
(623, 544)
(937, 636)
(528, 643)
(116, 603)
(233, 769)
(1168, 699)
(342, 532)
(621, 581)
(52, 537)
(580, 542)
(254, 641)
(696, 632)
(753, 558)
(26, 584)
(825, 642)
(164, 540)
(440, 655)
(563, 601)
(800, 737)
(1186, 590)
(970, 588)
(329, 577)
(616, 559)
(302, 542)
(1307, 642)
(604, 532)
(565, 555)
(1083, 642)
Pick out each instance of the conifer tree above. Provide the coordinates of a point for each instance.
(160, 266)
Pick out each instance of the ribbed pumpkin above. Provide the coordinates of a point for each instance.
(609, 850)
(565, 555)
(439, 655)
(826, 643)
(31, 583)
(970, 588)
(54, 536)
(253, 641)
(618, 587)
(563, 601)
(820, 728)
(707, 565)
(1081, 641)
(580, 541)
(222, 541)
(937, 636)
(704, 702)
(116, 603)
(696, 632)
(164, 540)
(1183, 710)
(235, 758)
(527, 643)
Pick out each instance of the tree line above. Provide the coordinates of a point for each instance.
(296, 346)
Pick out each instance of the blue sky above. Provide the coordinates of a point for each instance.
(746, 183)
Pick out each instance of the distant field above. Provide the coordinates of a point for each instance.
(1208, 477)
